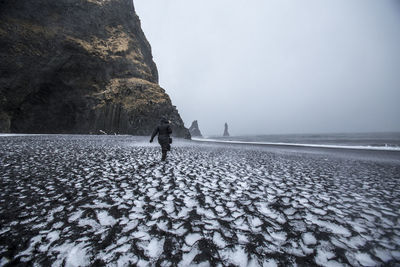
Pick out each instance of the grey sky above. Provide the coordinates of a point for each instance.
(278, 66)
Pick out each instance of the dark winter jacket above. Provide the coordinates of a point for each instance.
(163, 130)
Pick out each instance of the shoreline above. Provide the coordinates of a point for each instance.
(209, 140)
(299, 145)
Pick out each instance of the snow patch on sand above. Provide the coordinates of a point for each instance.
(105, 219)
(190, 239)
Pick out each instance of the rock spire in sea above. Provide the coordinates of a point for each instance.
(78, 66)
(226, 133)
(194, 129)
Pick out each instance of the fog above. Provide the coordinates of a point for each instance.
(268, 67)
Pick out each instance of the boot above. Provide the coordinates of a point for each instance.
(164, 156)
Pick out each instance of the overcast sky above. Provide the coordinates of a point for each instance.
(278, 66)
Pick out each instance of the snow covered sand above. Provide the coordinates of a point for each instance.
(107, 200)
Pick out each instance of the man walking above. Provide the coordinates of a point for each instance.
(163, 130)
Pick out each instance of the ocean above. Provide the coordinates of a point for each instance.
(384, 141)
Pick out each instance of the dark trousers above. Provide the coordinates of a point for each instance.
(164, 155)
(165, 147)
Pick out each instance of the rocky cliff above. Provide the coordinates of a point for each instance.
(194, 129)
(78, 66)
(226, 133)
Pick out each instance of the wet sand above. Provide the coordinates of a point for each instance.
(108, 200)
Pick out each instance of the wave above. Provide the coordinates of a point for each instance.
(379, 148)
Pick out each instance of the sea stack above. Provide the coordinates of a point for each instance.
(194, 129)
(226, 133)
(78, 66)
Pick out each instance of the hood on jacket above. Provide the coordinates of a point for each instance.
(164, 120)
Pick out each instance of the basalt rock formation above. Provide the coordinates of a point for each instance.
(226, 133)
(78, 66)
(194, 129)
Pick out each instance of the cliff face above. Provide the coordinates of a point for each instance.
(78, 66)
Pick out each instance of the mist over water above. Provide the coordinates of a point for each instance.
(275, 67)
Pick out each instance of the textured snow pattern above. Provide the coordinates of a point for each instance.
(107, 200)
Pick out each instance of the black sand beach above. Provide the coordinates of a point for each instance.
(107, 200)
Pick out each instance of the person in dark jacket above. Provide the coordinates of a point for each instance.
(163, 130)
